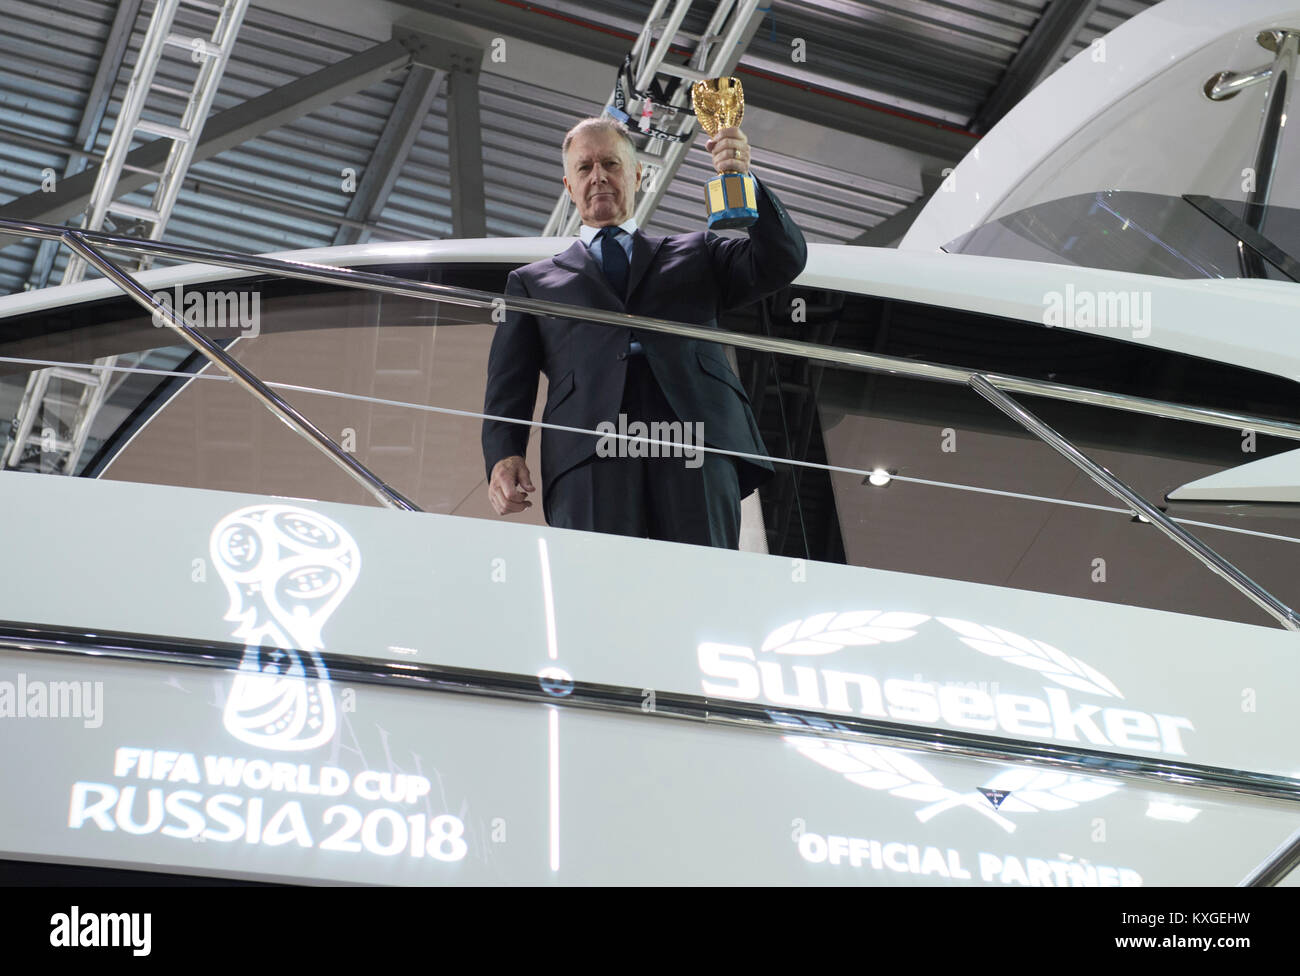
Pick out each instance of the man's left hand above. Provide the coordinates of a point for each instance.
(730, 149)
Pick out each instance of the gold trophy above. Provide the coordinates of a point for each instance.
(731, 198)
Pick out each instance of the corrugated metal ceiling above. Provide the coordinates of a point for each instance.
(1108, 15)
(938, 60)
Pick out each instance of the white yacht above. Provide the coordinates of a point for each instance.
(1018, 609)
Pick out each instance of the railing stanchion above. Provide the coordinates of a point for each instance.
(1212, 560)
(223, 360)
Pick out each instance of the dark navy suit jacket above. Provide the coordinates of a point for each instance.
(685, 278)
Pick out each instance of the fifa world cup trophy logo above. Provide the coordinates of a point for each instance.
(286, 569)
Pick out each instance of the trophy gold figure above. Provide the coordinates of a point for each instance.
(730, 198)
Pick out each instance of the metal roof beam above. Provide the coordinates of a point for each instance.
(465, 144)
(569, 35)
(890, 231)
(225, 130)
(207, 185)
(1047, 42)
(110, 63)
(831, 109)
(403, 125)
(461, 64)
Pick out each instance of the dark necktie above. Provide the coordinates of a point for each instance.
(614, 260)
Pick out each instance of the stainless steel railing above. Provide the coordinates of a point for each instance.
(1147, 771)
(1217, 564)
(473, 298)
(992, 387)
(1144, 771)
(224, 361)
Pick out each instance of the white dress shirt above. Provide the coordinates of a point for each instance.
(594, 245)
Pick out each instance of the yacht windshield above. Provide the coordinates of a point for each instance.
(1185, 236)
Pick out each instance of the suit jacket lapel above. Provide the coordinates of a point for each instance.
(643, 253)
(578, 259)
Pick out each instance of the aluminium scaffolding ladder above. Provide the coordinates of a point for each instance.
(713, 54)
(45, 400)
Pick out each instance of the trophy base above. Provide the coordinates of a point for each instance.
(732, 200)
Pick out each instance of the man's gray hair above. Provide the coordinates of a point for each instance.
(598, 122)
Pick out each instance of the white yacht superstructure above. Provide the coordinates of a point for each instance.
(275, 634)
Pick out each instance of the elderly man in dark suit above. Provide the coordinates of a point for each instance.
(598, 374)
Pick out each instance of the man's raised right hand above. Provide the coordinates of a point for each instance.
(509, 486)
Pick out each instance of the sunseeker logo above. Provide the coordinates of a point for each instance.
(737, 672)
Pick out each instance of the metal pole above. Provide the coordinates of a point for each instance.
(1271, 122)
(753, 716)
(985, 385)
(1229, 83)
(473, 298)
(221, 359)
(1276, 866)
(656, 56)
(1273, 116)
(1216, 563)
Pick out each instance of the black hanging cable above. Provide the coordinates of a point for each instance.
(657, 96)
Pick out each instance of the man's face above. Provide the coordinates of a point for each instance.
(602, 177)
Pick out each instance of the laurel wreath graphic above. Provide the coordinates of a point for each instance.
(891, 770)
(1053, 663)
(826, 633)
(881, 768)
